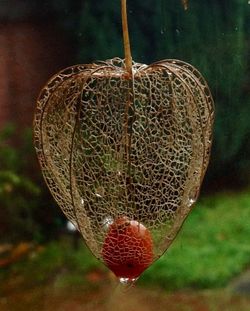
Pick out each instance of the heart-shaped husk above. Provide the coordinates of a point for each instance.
(112, 145)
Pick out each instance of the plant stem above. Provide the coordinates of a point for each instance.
(126, 43)
(185, 4)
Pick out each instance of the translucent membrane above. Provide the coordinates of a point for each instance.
(113, 147)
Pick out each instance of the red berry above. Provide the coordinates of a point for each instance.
(128, 248)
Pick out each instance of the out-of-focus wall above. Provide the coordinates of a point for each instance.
(31, 50)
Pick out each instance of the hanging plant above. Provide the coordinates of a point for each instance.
(123, 148)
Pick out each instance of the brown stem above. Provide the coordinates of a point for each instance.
(185, 4)
(126, 43)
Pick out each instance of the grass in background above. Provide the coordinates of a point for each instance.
(212, 247)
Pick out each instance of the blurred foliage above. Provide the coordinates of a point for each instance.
(209, 252)
(27, 210)
(58, 261)
(210, 249)
(212, 35)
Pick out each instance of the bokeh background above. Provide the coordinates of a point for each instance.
(43, 263)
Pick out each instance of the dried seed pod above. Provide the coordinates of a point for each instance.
(114, 145)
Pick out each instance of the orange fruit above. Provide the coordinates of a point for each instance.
(128, 248)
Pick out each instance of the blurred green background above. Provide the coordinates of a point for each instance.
(38, 38)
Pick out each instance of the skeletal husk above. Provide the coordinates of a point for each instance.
(116, 145)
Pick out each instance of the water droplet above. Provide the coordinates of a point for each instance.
(248, 1)
(193, 195)
(127, 281)
(107, 221)
(191, 201)
(162, 31)
(99, 192)
(177, 31)
(82, 201)
(72, 227)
